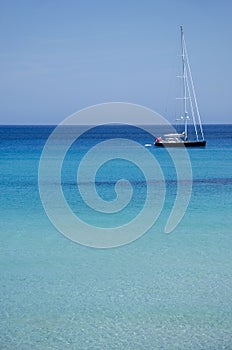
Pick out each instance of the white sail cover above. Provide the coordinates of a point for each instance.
(174, 135)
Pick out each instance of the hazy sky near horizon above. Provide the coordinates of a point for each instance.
(57, 57)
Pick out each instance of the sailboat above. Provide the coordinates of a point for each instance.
(189, 102)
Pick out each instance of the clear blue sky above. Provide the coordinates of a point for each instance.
(59, 56)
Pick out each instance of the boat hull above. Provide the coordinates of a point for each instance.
(181, 144)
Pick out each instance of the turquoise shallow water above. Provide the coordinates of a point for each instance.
(159, 292)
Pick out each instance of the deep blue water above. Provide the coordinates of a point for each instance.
(159, 292)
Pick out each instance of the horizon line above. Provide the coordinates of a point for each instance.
(106, 123)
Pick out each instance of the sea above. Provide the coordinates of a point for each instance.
(159, 291)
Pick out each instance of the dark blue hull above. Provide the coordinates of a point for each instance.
(181, 144)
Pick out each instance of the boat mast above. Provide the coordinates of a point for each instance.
(184, 83)
(189, 74)
(193, 92)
